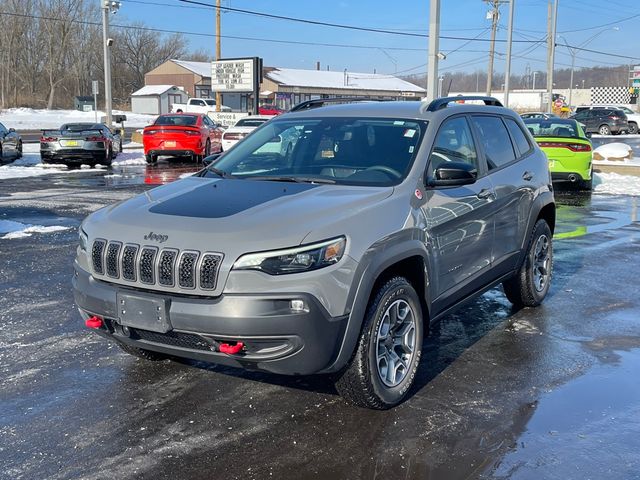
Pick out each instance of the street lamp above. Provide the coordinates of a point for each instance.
(533, 87)
(574, 51)
(108, 6)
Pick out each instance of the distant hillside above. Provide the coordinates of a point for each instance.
(593, 77)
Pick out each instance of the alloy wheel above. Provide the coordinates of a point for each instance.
(395, 343)
(541, 263)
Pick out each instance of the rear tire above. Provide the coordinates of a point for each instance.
(633, 128)
(530, 285)
(388, 352)
(587, 184)
(142, 353)
(151, 159)
(604, 130)
(108, 158)
(19, 155)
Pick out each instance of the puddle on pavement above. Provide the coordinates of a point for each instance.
(14, 220)
(587, 428)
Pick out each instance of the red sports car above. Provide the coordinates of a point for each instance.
(269, 109)
(181, 135)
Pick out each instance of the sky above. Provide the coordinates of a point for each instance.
(594, 24)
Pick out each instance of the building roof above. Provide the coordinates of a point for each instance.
(336, 80)
(199, 68)
(152, 90)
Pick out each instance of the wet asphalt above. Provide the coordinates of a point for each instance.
(545, 393)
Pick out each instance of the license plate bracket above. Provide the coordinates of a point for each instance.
(170, 143)
(144, 312)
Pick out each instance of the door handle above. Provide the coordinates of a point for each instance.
(484, 193)
(527, 176)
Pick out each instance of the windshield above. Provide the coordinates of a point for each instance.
(553, 128)
(180, 120)
(250, 122)
(354, 151)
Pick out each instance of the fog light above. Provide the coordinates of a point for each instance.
(298, 306)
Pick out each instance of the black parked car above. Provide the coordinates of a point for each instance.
(10, 144)
(605, 121)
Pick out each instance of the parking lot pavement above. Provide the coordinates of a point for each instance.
(550, 392)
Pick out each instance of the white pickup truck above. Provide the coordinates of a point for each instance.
(198, 105)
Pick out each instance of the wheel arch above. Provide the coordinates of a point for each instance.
(382, 261)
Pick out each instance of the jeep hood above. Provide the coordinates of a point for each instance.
(232, 216)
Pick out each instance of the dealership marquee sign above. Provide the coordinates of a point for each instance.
(236, 75)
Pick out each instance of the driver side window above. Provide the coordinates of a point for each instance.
(453, 143)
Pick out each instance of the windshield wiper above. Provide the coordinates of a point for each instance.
(270, 178)
(214, 170)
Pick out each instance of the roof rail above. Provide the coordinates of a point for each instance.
(320, 102)
(440, 103)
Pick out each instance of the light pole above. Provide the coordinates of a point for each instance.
(574, 51)
(108, 6)
(434, 49)
(533, 87)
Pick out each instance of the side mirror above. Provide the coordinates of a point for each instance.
(12, 130)
(452, 174)
(206, 161)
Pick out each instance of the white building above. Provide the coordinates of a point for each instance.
(157, 99)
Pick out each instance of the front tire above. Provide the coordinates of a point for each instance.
(19, 154)
(531, 284)
(387, 356)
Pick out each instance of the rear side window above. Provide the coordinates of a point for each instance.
(495, 140)
(519, 138)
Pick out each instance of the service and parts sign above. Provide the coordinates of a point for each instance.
(235, 75)
(226, 119)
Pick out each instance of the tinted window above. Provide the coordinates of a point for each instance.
(454, 143)
(2, 128)
(495, 140)
(250, 122)
(179, 120)
(344, 150)
(518, 136)
(199, 103)
(553, 128)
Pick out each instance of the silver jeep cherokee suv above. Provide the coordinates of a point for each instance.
(334, 256)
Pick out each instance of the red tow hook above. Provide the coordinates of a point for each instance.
(93, 322)
(231, 349)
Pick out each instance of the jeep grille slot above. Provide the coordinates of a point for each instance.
(129, 262)
(187, 270)
(96, 255)
(209, 271)
(113, 254)
(146, 267)
(165, 267)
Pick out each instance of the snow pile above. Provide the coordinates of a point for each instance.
(129, 157)
(12, 229)
(36, 119)
(613, 152)
(615, 184)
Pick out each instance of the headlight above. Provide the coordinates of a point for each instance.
(84, 239)
(294, 260)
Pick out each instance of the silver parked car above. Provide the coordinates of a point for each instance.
(75, 143)
(333, 258)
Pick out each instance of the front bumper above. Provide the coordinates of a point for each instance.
(277, 339)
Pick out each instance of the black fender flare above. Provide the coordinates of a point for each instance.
(541, 201)
(376, 260)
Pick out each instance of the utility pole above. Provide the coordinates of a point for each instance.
(495, 17)
(507, 73)
(108, 7)
(218, 52)
(552, 23)
(434, 41)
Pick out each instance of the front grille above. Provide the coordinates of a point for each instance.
(150, 265)
(175, 339)
(187, 270)
(129, 262)
(165, 267)
(209, 271)
(147, 260)
(96, 255)
(113, 252)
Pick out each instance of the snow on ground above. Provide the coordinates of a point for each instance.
(30, 165)
(10, 229)
(36, 119)
(615, 184)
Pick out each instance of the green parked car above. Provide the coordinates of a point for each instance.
(567, 147)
